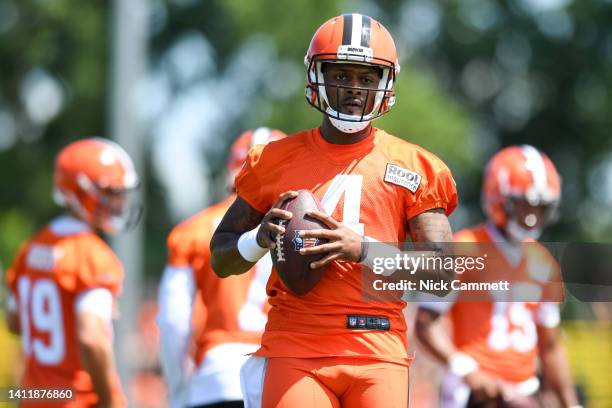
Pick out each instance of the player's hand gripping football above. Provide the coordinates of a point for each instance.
(343, 244)
(267, 226)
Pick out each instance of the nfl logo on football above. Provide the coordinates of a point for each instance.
(300, 242)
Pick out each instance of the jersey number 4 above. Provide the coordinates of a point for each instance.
(350, 185)
(39, 303)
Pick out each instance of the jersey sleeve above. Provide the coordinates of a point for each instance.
(252, 184)
(176, 295)
(188, 245)
(97, 301)
(100, 267)
(544, 270)
(437, 189)
(554, 288)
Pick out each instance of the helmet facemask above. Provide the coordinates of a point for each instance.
(111, 210)
(119, 210)
(317, 92)
(526, 219)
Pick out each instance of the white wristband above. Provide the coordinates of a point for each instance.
(461, 364)
(249, 248)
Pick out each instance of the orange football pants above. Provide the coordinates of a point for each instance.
(333, 382)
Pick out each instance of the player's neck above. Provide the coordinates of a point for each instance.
(334, 136)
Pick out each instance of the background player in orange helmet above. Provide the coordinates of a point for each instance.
(65, 280)
(495, 344)
(201, 363)
(373, 186)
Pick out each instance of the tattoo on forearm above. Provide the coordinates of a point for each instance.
(430, 226)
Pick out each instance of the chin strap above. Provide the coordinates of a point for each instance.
(519, 233)
(346, 126)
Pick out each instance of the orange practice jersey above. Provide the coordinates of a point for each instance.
(350, 181)
(47, 276)
(229, 310)
(502, 336)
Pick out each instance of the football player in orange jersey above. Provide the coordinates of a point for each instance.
(492, 355)
(202, 363)
(330, 347)
(65, 280)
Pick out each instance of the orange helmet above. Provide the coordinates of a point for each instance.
(356, 39)
(96, 180)
(519, 173)
(240, 148)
